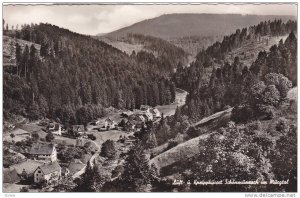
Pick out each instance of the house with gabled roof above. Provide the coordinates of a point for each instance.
(145, 109)
(148, 116)
(109, 123)
(49, 173)
(41, 151)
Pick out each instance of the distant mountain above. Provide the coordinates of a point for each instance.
(182, 25)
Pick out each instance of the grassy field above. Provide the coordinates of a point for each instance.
(107, 135)
(9, 54)
(249, 51)
(170, 109)
(190, 148)
(123, 46)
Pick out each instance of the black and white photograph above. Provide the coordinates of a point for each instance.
(147, 98)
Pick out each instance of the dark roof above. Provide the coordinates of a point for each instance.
(50, 168)
(41, 149)
(10, 176)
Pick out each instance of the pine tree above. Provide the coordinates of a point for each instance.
(137, 174)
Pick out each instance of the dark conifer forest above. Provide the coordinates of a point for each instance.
(228, 84)
(74, 73)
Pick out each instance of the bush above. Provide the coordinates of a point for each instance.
(108, 149)
(171, 144)
(35, 137)
(117, 171)
(91, 136)
(49, 137)
(193, 132)
(282, 125)
(242, 113)
(24, 189)
(266, 111)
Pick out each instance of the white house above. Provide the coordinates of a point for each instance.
(109, 124)
(155, 112)
(145, 109)
(49, 173)
(148, 116)
(43, 152)
(54, 128)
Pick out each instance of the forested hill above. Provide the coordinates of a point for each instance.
(75, 76)
(234, 83)
(182, 25)
(216, 55)
(145, 47)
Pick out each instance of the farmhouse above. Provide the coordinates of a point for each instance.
(145, 109)
(26, 168)
(109, 123)
(155, 112)
(43, 152)
(148, 116)
(126, 114)
(49, 173)
(54, 128)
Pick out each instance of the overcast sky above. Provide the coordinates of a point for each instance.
(94, 19)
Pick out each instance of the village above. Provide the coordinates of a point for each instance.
(42, 154)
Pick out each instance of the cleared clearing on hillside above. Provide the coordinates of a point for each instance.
(250, 49)
(9, 49)
(189, 148)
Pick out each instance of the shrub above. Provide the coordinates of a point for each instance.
(91, 136)
(282, 125)
(266, 111)
(117, 171)
(24, 189)
(242, 113)
(171, 144)
(49, 137)
(108, 149)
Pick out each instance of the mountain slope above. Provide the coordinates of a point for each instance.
(164, 51)
(74, 76)
(181, 25)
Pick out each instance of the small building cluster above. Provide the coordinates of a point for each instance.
(137, 119)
